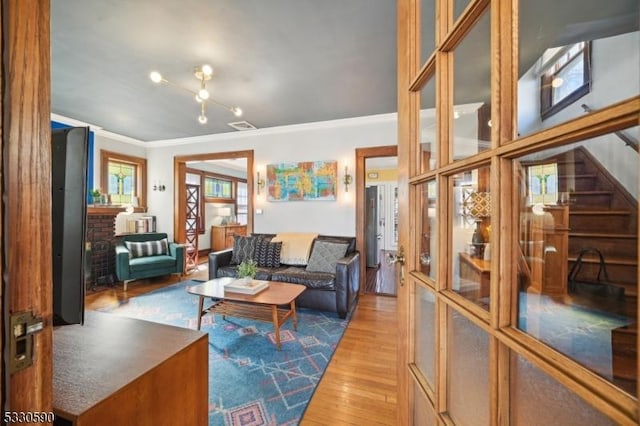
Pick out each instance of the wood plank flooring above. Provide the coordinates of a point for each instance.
(359, 386)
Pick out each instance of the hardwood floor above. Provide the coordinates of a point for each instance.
(359, 386)
(381, 279)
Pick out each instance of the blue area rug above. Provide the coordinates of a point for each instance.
(580, 333)
(250, 381)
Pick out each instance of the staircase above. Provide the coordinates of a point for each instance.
(604, 215)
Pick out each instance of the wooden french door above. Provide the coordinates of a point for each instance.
(191, 225)
(492, 142)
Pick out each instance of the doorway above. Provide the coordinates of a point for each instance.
(376, 220)
(184, 165)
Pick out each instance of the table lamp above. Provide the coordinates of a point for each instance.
(225, 212)
(478, 207)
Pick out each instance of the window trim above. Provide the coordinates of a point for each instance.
(547, 107)
(141, 172)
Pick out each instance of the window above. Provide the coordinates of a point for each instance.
(123, 178)
(543, 183)
(567, 79)
(215, 187)
(242, 209)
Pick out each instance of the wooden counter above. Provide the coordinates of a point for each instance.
(115, 371)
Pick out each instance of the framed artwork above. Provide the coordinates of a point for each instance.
(306, 181)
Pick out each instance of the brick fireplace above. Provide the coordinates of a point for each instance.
(101, 239)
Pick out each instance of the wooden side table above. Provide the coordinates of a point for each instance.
(474, 270)
(222, 236)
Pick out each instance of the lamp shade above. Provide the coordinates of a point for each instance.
(224, 211)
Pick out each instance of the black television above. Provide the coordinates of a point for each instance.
(69, 159)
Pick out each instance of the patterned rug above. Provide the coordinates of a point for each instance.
(250, 381)
(580, 333)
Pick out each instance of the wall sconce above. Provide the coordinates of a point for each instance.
(259, 184)
(347, 179)
(157, 186)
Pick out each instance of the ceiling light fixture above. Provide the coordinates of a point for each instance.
(203, 74)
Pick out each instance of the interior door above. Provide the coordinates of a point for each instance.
(26, 191)
(191, 225)
(371, 226)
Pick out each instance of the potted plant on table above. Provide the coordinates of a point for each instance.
(95, 195)
(247, 270)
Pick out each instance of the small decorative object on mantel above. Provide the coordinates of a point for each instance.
(95, 196)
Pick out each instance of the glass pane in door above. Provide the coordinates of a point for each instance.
(425, 338)
(472, 91)
(428, 229)
(468, 371)
(539, 400)
(458, 7)
(424, 413)
(471, 230)
(428, 148)
(427, 29)
(578, 253)
(586, 58)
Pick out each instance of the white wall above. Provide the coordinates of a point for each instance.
(334, 140)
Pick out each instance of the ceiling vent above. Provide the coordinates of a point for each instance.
(242, 125)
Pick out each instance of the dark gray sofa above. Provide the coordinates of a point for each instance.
(335, 292)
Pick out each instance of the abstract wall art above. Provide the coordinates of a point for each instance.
(305, 181)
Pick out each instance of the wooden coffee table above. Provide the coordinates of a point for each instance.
(268, 305)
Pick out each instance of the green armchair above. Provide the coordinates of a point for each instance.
(147, 255)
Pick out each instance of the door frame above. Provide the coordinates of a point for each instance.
(179, 180)
(361, 156)
(26, 168)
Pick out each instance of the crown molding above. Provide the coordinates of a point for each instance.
(97, 130)
(278, 130)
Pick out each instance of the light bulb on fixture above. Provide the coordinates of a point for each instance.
(155, 76)
(202, 118)
(202, 95)
(207, 70)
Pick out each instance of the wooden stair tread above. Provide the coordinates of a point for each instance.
(608, 260)
(582, 175)
(630, 289)
(598, 192)
(586, 212)
(603, 235)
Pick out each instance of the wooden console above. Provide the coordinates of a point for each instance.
(115, 371)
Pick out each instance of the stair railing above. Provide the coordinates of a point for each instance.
(630, 141)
